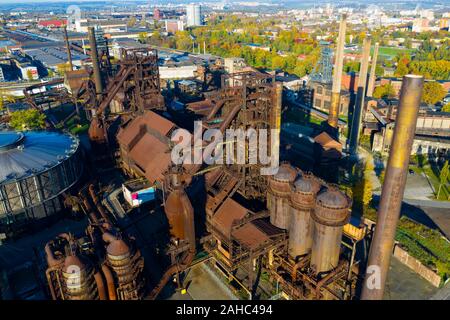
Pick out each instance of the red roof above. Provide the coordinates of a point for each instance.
(52, 23)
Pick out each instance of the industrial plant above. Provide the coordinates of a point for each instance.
(295, 227)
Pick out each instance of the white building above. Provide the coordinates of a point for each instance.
(193, 15)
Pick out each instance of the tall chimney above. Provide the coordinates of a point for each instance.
(393, 189)
(360, 98)
(371, 85)
(69, 53)
(333, 115)
(95, 62)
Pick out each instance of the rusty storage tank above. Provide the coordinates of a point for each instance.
(179, 212)
(78, 278)
(127, 265)
(330, 215)
(302, 201)
(278, 194)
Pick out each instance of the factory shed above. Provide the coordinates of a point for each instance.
(144, 146)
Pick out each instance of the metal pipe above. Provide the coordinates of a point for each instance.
(333, 115)
(100, 286)
(393, 188)
(95, 62)
(109, 282)
(69, 53)
(371, 85)
(98, 204)
(360, 98)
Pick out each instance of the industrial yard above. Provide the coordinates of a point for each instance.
(156, 174)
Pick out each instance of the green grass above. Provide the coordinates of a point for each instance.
(392, 51)
(425, 244)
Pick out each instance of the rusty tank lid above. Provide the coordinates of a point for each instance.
(332, 207)
(286, 173)
(307, 184)
(333, 198)
(118, 248)
(280, 183)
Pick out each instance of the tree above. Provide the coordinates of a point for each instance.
(433, 92)
(143, 36)
(30, 119)
(131, 22)
(29, 75)
(385, 91)
(443, 178)
(5, 97)
(446, 108)
(362, 186)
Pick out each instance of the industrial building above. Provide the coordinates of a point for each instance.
(193, 15)
(295, 226)
(36, 169)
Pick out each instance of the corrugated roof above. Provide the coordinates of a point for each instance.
(250, 236)
(150, 150)
(228, 212)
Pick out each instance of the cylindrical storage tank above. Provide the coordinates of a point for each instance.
(79, 281)
(303, 201)
(126, 265)
(278, 194)
(36, 168)
(330, 215)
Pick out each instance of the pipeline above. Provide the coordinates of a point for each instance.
(98, 204)
(109, 282)
(100, 286)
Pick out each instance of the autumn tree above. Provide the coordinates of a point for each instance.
(30, 119)
(29, 75)
(433, 92)
(385, 91)
(446, 108)
(5, 98)
(443, 178)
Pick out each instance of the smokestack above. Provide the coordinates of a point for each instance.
(95, 62)
(69, 53)
(393, 189)
(360, 98)
(333, 116)
(371, 85)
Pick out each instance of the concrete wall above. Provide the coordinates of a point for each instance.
(416, 266)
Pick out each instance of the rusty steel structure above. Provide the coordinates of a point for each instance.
(393, 188)
(134, 89)
(312, 267)
(102, 265)
(248, 100)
